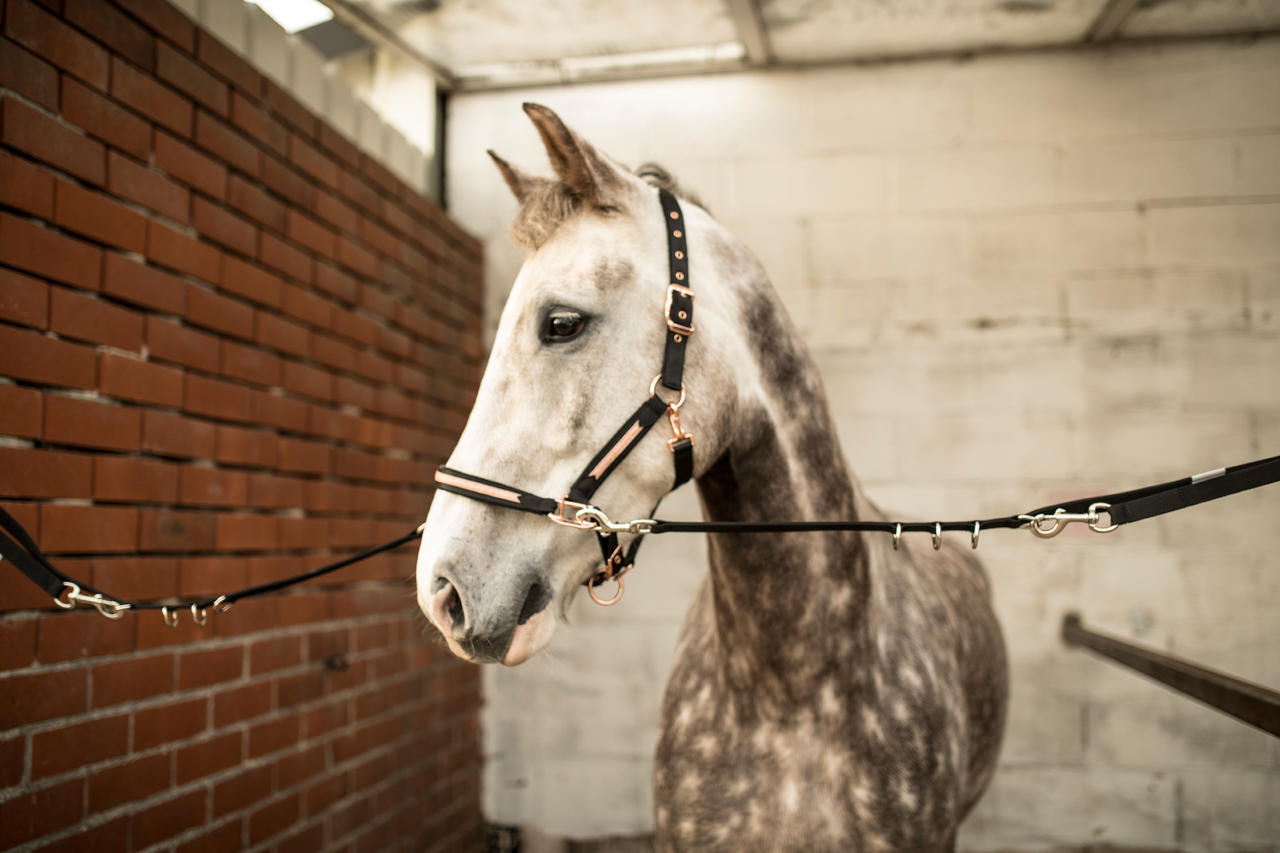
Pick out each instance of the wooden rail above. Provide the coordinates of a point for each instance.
(1251, 703)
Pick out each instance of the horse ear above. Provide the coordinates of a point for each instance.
(519, 182)
(591, 177)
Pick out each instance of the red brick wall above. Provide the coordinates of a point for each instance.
(231, 347)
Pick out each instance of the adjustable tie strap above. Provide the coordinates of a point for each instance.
(679, 304)
(490, 492)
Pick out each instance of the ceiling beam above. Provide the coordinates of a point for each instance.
(1110, 20)
(750, 23)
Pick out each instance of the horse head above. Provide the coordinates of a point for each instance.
(578, 343)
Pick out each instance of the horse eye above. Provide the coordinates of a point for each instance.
(563, 326)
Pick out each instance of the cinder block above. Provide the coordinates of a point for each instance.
(226, 19)
(968, 179)
(808, 185)
(308, 81)
(1140, 170)
(268, 44)
(1257, 159)
(1228, 808)
(1159, 303)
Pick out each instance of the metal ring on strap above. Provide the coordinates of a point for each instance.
(937, 535)
(897, 537)
(653, 389)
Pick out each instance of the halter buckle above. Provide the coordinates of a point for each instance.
(564, 519)
(673, 325)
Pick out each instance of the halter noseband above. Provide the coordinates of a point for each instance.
(574, 508)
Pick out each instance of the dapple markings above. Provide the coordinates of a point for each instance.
(828, 692)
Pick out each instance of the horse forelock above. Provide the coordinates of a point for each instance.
(548, 204)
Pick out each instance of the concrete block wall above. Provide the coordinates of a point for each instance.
(1025, 278)
(232, 348)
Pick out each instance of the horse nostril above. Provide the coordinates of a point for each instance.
(453, 605)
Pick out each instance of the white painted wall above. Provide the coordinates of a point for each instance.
(1024, 277)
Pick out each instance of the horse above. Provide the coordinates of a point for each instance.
(830, 691)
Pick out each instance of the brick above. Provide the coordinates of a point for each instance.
(310, 233)
(281, 256)
(50, 38)
(335, 282)
(79, 634)
(37, 697)
(379, 237)
(274, 818)
(29, 473)
(137, 577)
(304, 457)
(240, 446)
(287, 183)
(138, 779)
(190, 166)
(173, 435)
(269, 490)
(21, 412)
(162, 105)
(228, 144)
(176, 530)
(282, 334)
(115, 30)
(24, 300)
(242, 790)
(302, 533)
(88, 529)
(357, 258)
(258, 124)
(208, 757)
(36, 358)
(217, 312)
(280, 412)
(166, 19)
(140, 381)
(229, 64)
(336, 212)
(341, 147)
(171, 248)
(250, 281)
(13, 761)
(218, 399)
(311, 160)
(307, 307)
(130, 281)
(91, 424)
(168, 723)
(25, 185)
(59, 750)
(358, 190)
(241, 703)
(333, 352)
(76, 315)
(102, 118)
(307, 381)
(187, 76)
(166, 819)
(52, 142)
(98, 216)
(245, 532)
(274, 735)
(256, 203)
(125, 479)
(219, 225)
(250, 364)
(148, 188)
(289, 108)
(17, 651)
(28, 75)
(213, 486)
(171, 341)
(32, 814)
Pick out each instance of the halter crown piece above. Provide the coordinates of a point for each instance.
(574, 508)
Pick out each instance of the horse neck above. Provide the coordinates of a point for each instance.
(778, 598)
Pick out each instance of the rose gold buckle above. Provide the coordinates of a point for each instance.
(570, 521)
(678, 328)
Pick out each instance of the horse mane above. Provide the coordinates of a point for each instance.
(546, 204)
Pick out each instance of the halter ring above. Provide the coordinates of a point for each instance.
(653, 389)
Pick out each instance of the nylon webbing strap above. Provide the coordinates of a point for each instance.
(679, 304)
(490, 492)
(617, 448)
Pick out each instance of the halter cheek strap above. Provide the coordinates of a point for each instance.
(574, 508)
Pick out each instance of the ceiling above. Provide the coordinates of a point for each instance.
(486, 44)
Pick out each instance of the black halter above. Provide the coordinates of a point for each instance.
(574, 508)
